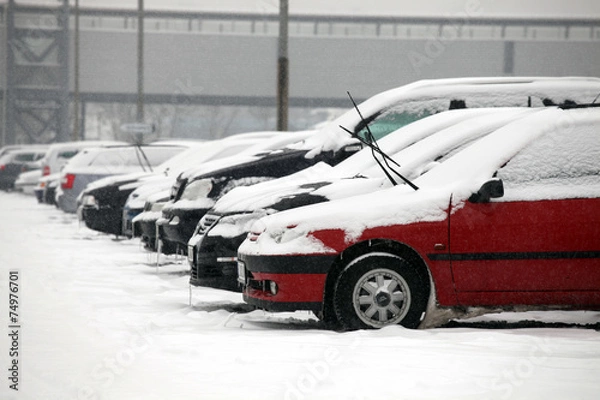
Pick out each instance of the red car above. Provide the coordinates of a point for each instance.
(511, 221)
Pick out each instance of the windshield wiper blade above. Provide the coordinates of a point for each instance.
(371, 142)
(139, 149)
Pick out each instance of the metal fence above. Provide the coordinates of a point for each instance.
(330, 26)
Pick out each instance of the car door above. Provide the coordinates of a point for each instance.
(540, 243)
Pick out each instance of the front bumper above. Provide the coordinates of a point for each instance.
(299, 281)
(67, 202)
(105, 219)
(213, 261)
(179, 227)
(147, 229)
(128, 215)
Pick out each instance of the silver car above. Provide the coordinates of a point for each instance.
(95, 163)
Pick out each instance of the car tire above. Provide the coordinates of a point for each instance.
(380, 289)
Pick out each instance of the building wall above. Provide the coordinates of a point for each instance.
(320, 67)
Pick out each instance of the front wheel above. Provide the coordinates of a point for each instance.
(380, 289)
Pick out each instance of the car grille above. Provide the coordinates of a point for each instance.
(194, 273)
(208, 271)
(207, 222)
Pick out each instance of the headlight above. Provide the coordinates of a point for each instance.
(89, 201)
(256, 230)
(156, 206)
(290, 233)
(235, 225)
(197, 189)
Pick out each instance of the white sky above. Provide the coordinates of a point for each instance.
(514, 8)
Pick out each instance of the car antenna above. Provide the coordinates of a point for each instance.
(372, 144)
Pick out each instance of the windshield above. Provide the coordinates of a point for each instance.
(123, 156)
(389, 121)
(128, 156)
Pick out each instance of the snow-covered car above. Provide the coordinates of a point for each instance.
(56, 157)
(214, 258)
(511, 221)
(384, 113)
(27, 181)
(95, 163)
(11, 147)
(103, 201)
(417, 147)
(16, 161)
(59, 154)
(144, 224)
(143, 200)
(196, 190)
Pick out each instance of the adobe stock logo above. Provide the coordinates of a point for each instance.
(316, 372)
(105, 373)
(511, 378)
(435, 46)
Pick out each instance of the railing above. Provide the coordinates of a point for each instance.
(323, 26)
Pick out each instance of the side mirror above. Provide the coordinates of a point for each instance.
(491, 189)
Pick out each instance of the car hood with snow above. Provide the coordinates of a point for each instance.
(416, 148)
(103, 201)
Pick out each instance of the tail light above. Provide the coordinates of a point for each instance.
(2, 167)
(46, 170)
(67, 181)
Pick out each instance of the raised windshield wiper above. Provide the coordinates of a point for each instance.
(372, 144)
(139, 150)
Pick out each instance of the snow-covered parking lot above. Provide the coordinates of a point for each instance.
(91, 317)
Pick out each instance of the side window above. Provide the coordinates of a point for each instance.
(25, 157)
(67, 154)
(563, 163)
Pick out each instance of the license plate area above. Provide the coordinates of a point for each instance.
(241, 269)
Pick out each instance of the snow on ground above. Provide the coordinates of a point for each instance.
(98, 320)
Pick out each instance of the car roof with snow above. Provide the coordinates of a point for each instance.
(22, 153)
(425, 97)
(197, 153)
(122, 158)
(416, 147)
(458, 178)
(255, 152)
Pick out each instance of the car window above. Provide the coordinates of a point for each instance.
(405, 113)
(67, 154)
(25, 157)
(390, 121)
(228, 151)
(130, 156)
(196, 189)
(563, 163)
(84, 158)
